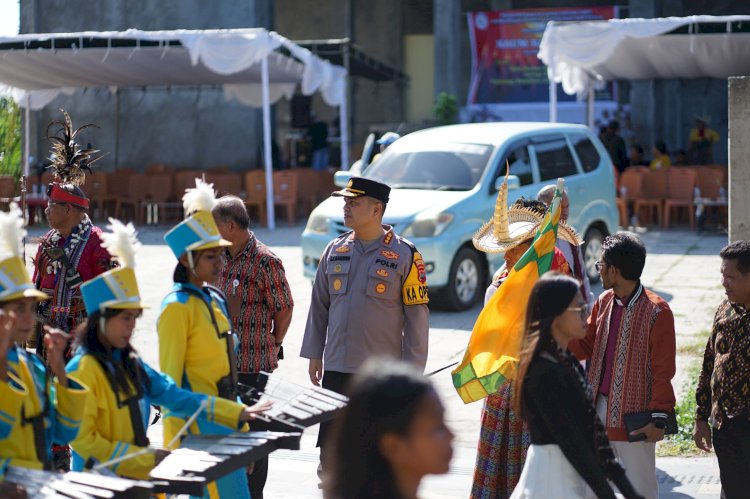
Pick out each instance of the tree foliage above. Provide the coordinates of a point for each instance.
(10, 138)
(445, 109)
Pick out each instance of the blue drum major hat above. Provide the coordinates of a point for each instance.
(14, 279)
(118, 287)
(198, 231)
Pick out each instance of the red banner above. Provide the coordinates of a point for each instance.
(504, 45)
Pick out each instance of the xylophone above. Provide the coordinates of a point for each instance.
(73, 485)
(202, 459)
(294, 407)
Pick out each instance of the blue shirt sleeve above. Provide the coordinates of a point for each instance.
(164, 392)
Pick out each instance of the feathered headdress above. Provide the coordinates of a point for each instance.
(69, 160)
(199, 198)
(11, 232)
(121, 242)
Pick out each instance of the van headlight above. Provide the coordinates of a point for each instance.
(317, 223)
(428, 225)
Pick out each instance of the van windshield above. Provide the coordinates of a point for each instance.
(448, 166)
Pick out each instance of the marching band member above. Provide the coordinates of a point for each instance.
(196, 343)
(51, 407)
(122, 385)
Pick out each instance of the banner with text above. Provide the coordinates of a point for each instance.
(504, 46)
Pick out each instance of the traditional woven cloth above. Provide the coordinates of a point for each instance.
(501, 453)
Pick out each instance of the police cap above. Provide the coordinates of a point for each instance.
(359, 186)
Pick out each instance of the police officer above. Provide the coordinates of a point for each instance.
(369, 296)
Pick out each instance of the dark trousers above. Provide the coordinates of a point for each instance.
(256, 480)
(732, 446)
(336, 382)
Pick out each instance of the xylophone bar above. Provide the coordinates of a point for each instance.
(294, 405)
(203, 459)
(73, 485)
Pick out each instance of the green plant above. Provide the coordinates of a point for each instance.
(10, 138)
(681, 443)
(445, 109)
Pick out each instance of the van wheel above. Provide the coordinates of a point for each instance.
(592, 251)
(466, 278)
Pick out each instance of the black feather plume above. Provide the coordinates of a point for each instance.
(68, 159)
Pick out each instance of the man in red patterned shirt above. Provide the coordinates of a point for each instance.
(259, 301)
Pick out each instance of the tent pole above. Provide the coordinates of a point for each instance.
(344, 126)
(590, 109)
(552, 102)
(267, 143)
(117, 128)
(27, 134)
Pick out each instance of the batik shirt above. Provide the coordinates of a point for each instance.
(724, 384)
(255, 280)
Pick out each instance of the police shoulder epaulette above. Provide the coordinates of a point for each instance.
(344, 235)
(409, 244)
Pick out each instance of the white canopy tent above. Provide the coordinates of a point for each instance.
(36, 68)
(584, 55)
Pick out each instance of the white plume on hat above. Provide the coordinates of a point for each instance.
(121, 242)
(11, 232)
(200, 198)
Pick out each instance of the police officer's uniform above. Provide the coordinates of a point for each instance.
(367, 301)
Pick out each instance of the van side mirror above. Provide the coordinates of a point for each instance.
(341, 178)
(513, 182)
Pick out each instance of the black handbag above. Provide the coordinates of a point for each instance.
(636, 420)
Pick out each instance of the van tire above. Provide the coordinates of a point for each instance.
(465, 282)
(592, 251)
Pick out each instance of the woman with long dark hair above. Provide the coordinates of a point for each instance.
(391, 434)
(504, 436)
(569, 451)
(122, 386)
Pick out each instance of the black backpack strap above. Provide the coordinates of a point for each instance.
(227, 335)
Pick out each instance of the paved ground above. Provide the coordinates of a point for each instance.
(682, 266)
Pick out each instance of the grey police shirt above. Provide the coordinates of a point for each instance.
(367, 302)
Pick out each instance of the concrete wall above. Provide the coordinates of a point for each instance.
(420, 66)
(377, 27)
(183, 127)
(739, 159)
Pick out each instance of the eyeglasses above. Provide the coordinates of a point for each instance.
(583, 311)
(599, 266)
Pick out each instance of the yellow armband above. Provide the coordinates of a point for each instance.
(414, 291)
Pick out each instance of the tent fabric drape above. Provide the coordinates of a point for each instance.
(202, 57)
(582, 55)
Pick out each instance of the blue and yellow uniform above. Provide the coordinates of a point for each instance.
(49, 413)
(193, 329)
(107, 429)
(12, 395)
(191, 351)
(35, 410)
